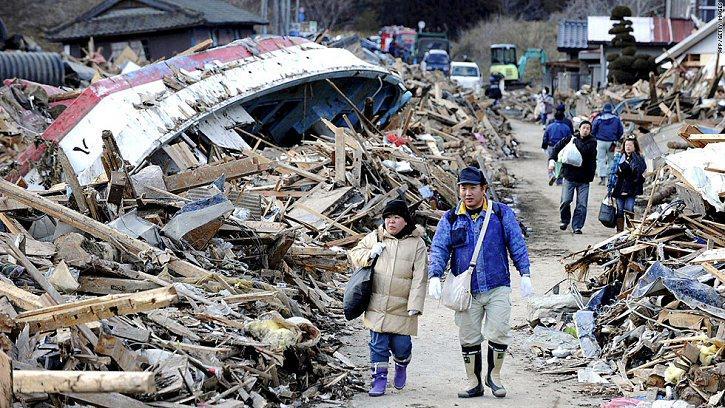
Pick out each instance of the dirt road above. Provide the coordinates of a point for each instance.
(436, 372)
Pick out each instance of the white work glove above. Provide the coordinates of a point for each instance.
(413, 312)
(434, 288)
(552, 165)
(526, 288)
(377, 249)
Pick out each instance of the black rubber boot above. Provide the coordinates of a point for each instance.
(496, 355)
(474, 365)
(620, 224)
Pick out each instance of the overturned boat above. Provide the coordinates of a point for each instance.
(280, 88)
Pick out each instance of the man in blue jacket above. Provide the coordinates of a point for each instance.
(555, 131)
(608, 130)
(561, 108)
(455, 240)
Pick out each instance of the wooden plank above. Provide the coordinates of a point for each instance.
(643, 119)
(204, 175)
(164, 320)
(250, 297)
(113, 347)
(711, 256)
(107, 400)
(109, 286)
(19, 297)
(6, 381)
(123, 242)
(208, 43)
(70, 177)
(69, 314)
(181, 154)
(33, 381)
(340, 156)
(707, 138)
(303, 173)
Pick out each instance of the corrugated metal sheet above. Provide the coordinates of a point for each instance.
(42, 67)
(572, 35)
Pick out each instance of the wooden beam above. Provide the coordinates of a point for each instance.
(303, 173)
(123, 242)
(19, 297)
(93, 310)
(198, 47)
(70, 176)
(34, 381)
(6, 381)
(113, 286)
(707, 138)
(340, 156)
(204, 175)
(107, 400)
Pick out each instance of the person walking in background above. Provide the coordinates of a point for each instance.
(555, 132)
(626, 180)
(561, 108)
(546, 106)
(608, 130)
(576, 179)
(455, 240)
(398, 291)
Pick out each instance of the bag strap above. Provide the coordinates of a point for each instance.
(375, 260)
(479, 244)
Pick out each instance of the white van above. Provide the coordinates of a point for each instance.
(467, 75)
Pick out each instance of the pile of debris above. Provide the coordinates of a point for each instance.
(652, 322)
(676, 95)
(185, 234)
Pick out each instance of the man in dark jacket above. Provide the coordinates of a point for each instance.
(608, 130)
(576, 178)
(561, 108)
(494, 88)
(554, 133)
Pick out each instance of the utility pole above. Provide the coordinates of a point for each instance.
(264, 13)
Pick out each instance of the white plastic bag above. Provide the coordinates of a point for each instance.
(570, 155)
(456, 294)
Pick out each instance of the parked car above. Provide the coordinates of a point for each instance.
(436, 60)
(467, 75)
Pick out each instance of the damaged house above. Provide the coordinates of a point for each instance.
(154, 29)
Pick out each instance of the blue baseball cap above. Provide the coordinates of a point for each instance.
(471, 175)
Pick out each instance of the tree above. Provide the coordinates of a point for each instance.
(626, 67)
(328, 13)
(581, 9)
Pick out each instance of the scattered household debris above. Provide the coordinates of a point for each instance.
(648, 304)
(198, 241)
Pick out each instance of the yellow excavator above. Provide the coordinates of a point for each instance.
(504, 63)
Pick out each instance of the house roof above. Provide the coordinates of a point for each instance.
(580, 34)
(115, 17)
(647, 30)
(572, 35)
(689, 41)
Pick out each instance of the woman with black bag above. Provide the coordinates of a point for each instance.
(626, 180)
(400, 277)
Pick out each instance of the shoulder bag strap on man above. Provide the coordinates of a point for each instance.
(479, 244)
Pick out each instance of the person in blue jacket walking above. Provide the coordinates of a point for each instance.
(556, 131)
(608, 130)
(455, 240)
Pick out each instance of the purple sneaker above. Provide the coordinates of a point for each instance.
(379, 373)
(400, 375)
